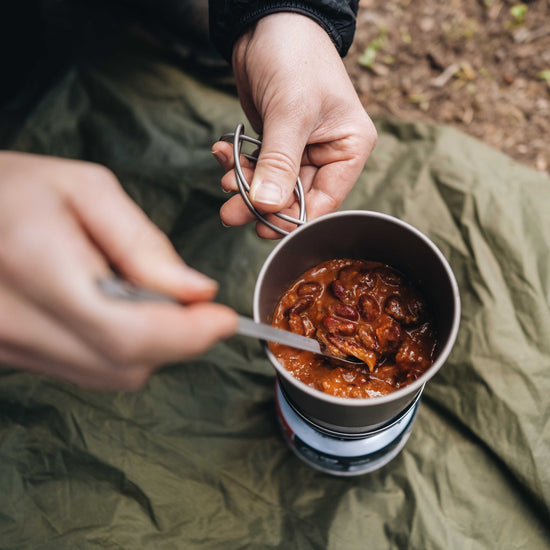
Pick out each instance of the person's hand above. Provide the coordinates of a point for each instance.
(63, 224)
(296, 93)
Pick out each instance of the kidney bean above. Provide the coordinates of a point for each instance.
(367, 337)
(331, 324)
(339, 290)
(397, 308)
(347, 328)
(295, 323)
(368, 307)
(301, 304)
(389, 276)
(326, 341)
(408, 311)
(345, 311)
(309, 288)
(334, 325)
(301, 324)
(366, 278)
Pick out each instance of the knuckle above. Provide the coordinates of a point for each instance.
(122, 347)
(99, 175)
(332, 203)
(363, 129)
(280, 161)
(329, 203)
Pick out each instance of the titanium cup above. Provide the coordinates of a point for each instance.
(365, 235)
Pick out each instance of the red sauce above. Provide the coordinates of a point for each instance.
(360, 308)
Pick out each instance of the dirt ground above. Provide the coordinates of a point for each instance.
(482, 66)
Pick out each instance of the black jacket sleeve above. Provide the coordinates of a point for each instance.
(230, 18)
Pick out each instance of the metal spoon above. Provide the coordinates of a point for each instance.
(116, 287)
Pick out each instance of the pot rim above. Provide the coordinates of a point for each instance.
(401, 392)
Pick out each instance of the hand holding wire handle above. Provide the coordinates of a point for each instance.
(238, 138)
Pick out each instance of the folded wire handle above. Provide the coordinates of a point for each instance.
(238, 137)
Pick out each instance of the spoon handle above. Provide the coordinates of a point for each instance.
(119, 288)
(249, 327)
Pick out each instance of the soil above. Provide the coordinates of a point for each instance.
(482, 66)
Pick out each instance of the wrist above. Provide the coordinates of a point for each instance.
(282, 31)
(229, 18)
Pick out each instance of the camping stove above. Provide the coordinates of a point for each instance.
(342, 454)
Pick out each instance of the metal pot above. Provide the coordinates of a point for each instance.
(366, 235)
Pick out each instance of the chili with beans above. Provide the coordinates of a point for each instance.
(360, 308)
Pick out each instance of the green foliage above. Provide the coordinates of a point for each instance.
(518, 12)
(369, 55)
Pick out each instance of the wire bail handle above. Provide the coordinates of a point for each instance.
(238, 138)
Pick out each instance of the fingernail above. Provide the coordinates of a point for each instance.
(219, 156)
(267, 193)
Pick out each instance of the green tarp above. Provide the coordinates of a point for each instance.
(196, 460)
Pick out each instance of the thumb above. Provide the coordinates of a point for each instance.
(278, 166)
